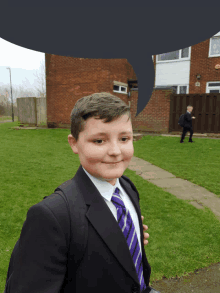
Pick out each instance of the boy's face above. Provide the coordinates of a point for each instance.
(105, 149)
(190, 109)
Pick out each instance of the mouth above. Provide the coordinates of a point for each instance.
(113, 162)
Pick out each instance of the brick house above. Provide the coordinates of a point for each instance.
(191, 70)
(69, 79)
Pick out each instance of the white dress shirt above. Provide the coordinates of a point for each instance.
(106, 190)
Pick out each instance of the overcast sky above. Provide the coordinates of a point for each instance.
(23, 63)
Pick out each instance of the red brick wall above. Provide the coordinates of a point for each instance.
(156, 115)
(203, 65)
(69, 79)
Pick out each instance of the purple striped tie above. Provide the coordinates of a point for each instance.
(127, 226)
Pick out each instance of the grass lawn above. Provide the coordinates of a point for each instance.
(182, 238)
(197, 162)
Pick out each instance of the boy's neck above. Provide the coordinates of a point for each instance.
(101, 179)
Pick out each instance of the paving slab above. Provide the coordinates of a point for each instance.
(144, 168)
(135, 161)
(187, 192)
(156, 174)
(213, 204)
(196, 204)
(27, 128)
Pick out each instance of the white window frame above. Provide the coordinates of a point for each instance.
(178, 88)
(187, 88)
(120, 85)
(208, 88)
(175, 60)
(216, 35)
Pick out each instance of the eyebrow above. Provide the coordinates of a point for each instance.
(104, 133)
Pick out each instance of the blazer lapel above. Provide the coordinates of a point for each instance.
(104, 222)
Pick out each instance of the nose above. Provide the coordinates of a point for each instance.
(114, 149)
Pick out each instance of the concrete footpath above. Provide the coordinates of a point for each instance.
(181, 188)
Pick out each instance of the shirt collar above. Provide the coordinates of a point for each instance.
(105, 188)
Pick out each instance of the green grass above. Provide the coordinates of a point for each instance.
(34, 162)
(197, 162)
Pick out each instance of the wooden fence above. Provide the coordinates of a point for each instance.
(206, 109)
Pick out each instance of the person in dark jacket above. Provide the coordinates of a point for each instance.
(187, 124)
(114, 258)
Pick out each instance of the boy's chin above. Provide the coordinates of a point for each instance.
(113, 174)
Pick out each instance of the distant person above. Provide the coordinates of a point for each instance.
(187, 124)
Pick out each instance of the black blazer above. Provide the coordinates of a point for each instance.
(40, 263)
(187, 120)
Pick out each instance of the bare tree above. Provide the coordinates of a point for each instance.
(24, 90)
(41, 80)
(17, 92)
(5, 99)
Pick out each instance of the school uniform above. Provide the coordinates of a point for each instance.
(187, 126)
(40, 263)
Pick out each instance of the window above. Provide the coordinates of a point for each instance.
(175, 88)
(182, 54)
(214, 45)
(180, 89)
(183, 89)
(120, 87)
(213, 87)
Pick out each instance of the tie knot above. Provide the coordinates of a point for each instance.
(116, 199)
(116, 191)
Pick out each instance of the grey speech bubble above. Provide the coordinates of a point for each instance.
(134, 33)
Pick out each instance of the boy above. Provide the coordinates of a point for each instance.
(188, 124)
(114, 258)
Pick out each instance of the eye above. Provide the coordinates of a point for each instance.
(97, 140)
(125, 138)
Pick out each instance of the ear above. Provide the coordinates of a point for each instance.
(73, 143)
